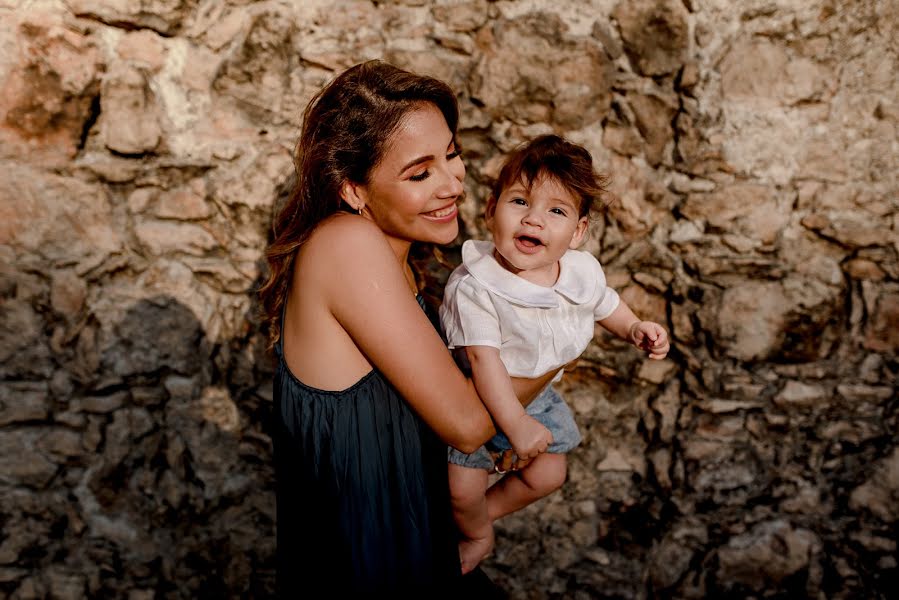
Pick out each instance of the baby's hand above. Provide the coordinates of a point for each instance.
(528, 437)
(650, 337)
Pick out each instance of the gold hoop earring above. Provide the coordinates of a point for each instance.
(359, 210)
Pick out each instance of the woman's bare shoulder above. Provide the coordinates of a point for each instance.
(346, 233)
(343, 244)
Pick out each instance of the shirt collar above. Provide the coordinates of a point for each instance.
(477, 256)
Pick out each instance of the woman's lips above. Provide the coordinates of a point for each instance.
(442, 215)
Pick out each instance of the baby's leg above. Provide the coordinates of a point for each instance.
(543, 475)
(467, 491)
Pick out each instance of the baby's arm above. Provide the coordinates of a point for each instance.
(528, 437)
(646, 335)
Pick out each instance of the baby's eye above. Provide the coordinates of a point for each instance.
(558, 211)
(519, 201)
(420, 176)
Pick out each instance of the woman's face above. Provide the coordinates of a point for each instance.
(412, 193)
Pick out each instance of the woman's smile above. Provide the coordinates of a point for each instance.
(441, 215)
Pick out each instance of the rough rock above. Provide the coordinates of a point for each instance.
(129, 120)
(766, 555)
(655, 33)
(571, 90)
(751, 211)
(50, 92)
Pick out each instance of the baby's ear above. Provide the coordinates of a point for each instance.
(490, 211)
(578, 236)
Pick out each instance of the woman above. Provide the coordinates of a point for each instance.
(366, 394)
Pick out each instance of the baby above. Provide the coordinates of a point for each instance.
(522, 306)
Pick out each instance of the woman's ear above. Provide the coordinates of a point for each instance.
(578, 236)
(354, 195)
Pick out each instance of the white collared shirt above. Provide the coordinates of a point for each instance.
(537, 329)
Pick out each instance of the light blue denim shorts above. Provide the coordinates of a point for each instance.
(550, 409)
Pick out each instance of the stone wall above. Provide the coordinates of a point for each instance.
(753, 152)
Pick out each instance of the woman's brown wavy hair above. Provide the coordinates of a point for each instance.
(347, 128)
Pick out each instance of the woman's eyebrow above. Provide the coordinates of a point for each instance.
(416, 161)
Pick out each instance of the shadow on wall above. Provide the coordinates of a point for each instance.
(154, 478)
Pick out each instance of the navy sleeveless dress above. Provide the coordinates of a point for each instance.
(362, 492)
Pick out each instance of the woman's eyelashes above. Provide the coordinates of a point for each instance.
(425, 174)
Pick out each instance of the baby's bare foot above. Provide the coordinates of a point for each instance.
(473, 551)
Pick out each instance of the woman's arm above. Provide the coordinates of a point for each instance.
(362, 284)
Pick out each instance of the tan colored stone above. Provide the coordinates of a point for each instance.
(823, 159)
(461, 15)
(129, 122)
(757, 69)
(140, 199)
(656, 371)
(654, 116)
(164, 16)
(61, 219)
(623, 459)
(719, 406)
(751, 208)
(655, 34)
(621, 139)
(857, 231)
(143, 47)
(217, 407)
(878, 494)
(535, 72)
(257, 73)
(162, 237)
(797, 393)
(751, 319)
(67, 293)
(222, 29)
(182, 204)
(648, 306)
(882, 332)
(49, 92)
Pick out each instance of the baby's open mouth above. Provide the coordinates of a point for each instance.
(528, 241)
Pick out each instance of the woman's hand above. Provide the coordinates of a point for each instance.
(503, 462)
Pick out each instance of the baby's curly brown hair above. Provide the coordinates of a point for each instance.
(555, 157)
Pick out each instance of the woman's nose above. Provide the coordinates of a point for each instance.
(452, 184)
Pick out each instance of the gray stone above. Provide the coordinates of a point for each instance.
(35, 470)
(880, 494)
(765, 555)
(23, 402)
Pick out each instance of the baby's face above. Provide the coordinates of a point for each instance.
(533, 229)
